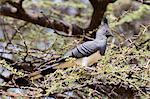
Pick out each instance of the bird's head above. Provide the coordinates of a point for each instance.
(104, 29)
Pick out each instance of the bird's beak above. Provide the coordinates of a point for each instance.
(109, 34)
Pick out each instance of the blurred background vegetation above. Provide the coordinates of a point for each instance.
(124, 72)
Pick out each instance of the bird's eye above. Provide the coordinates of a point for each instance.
(107, 32)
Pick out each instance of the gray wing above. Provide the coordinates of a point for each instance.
(83, 50)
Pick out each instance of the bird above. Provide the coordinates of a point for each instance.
(84, 54)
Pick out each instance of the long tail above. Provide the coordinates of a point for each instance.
(51, 69)
(23, 81)
(70, 63)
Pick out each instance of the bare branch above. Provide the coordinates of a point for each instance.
(21, 2)
(93, 2)
(144, 1)
(99, 7)
(35, 19)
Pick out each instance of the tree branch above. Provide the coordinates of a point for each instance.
(35, 19)
(21, 2)
(99, 7)
(93, 2)
(147, 2)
